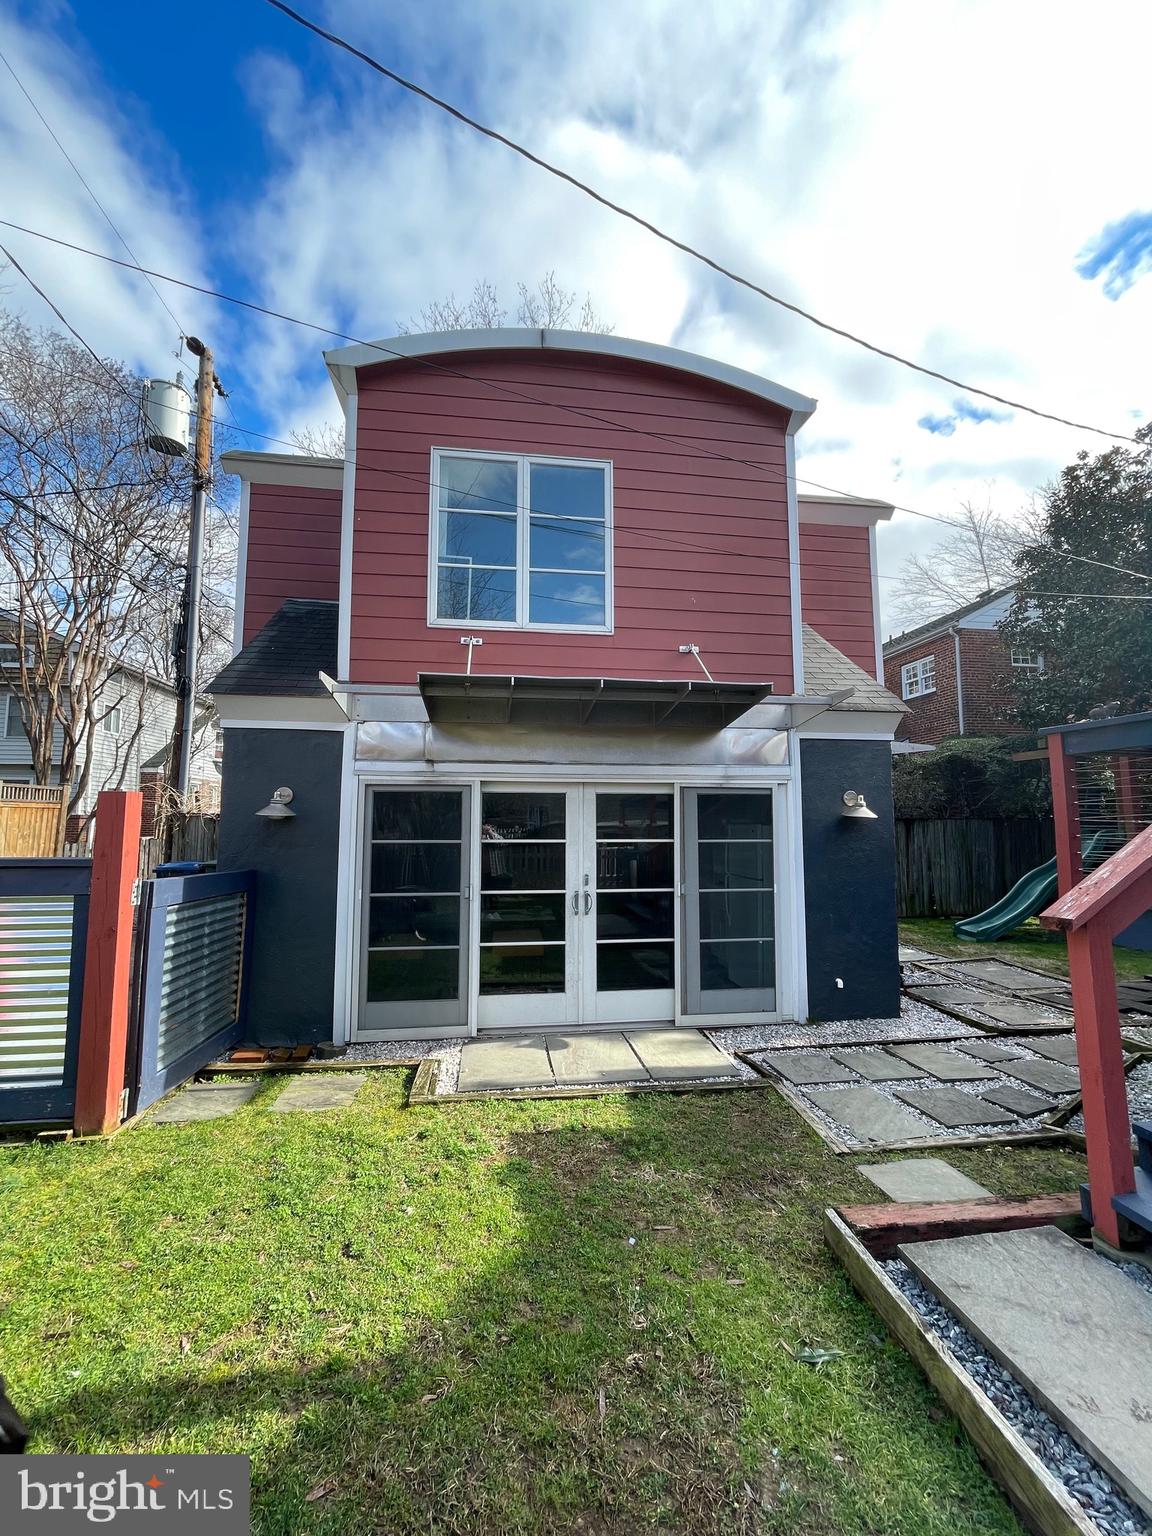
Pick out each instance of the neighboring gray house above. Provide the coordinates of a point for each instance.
(129, 742)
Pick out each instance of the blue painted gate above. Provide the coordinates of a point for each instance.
(43, 933)
(194, 939)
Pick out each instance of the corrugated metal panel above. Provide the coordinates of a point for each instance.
(35, 967)
(200, 990)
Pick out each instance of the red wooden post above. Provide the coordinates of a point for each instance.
(108, 963)
(1065, 814)
(1106, 1125)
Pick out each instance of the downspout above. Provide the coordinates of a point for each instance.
(955, 633)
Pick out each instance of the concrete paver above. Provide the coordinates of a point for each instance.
(203, 1101)
(318, 1091)
(678, 1053)
(878, 1066)
(867, 1114)
(916, 1179)
(1048, 1076)
(519, 1061)
(810, 1067)
(1073, 1329)
(950, 1107)
(943, 1065)
(599, 1058)
(1015, 1099)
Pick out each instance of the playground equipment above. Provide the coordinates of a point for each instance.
(1030, 895)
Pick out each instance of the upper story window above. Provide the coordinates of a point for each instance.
(1026, 659)
(520, 541)
(10, 656)
(113, 721)
(917, 677)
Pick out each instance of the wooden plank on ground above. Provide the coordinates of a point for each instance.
(881, 1227)
(1043, 1503)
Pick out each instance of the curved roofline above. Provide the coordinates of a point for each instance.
(344, 361)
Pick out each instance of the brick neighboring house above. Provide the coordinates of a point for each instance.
(957, 673)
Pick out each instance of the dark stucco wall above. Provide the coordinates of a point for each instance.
(850, 881)
(295, 861)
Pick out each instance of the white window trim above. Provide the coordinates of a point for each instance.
(113, 721)
(521, 460)
(1035, 665)
(911, 671)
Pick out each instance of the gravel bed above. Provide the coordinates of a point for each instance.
(1091, 1487)
(1139, 1097)
(916, 1021)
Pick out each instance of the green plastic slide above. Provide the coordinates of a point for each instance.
(1031, 894)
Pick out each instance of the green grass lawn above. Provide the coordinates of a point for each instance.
(1028, 945)
(439, 1318)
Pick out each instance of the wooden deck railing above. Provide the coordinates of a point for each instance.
(1091, 914)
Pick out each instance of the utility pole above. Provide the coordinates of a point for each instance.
(188, 637)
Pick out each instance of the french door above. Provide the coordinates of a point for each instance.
(577, 906)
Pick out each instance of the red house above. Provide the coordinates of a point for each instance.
(575, 698)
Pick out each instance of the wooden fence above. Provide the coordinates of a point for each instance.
(194, 836)
(32, 818)
(957, 868)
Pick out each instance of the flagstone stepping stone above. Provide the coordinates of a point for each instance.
(1015, 1099)
(952, 997)
(866, 1113)
(1073, 1329)
(916, 1179)
(909, 955)
(491, 1066)
(987, 1050)
(203, 1101)
(950, 1107)
(1021, 1016)
(1013, 977)
(1057, 1048)
(606, 1058)
(943, 1065)
(1048, 1076)
(810, 1067)
(878, 1066)
(319, 1090)
(678, 1053)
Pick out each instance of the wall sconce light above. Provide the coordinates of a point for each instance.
(856, 806)
(278, 808)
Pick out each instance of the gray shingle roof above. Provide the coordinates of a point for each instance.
(288, 655)
(938, 625)
(826, 670)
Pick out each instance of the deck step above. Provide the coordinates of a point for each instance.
(1137, 1207)
(1142, 1130)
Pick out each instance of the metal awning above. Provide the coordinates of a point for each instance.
(475, 698)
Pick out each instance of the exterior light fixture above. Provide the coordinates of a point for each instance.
(278, 808)
(856, 806)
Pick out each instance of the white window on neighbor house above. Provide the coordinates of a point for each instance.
(11, 721)
(10, 656)
(520, 541)
(113, 721)
(1027, 660)
(917, 677)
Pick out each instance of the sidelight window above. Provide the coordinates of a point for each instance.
(521, 542)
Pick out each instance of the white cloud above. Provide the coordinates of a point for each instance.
(923, 175)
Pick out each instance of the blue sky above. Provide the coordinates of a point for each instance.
(804, 144)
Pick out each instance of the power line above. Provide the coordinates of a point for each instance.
(680, 245)
(84, 183)
(500, 387)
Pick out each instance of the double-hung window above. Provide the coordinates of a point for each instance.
(1025, 659)
(521, 541)
(917, 677)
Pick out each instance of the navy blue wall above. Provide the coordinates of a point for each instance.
(290, 1000)
(850, 881)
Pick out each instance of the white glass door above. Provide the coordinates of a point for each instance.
(628, 906)
(529, 907)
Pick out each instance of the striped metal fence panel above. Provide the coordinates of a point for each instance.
(196, 935)
(43, 932)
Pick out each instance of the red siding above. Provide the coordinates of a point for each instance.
(293, 549)
(701, 544)
(836, 589)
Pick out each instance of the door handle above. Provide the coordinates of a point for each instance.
(587, 902)
(575, 902)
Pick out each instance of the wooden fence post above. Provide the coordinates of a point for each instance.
(108, 963)
(1065, 815)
